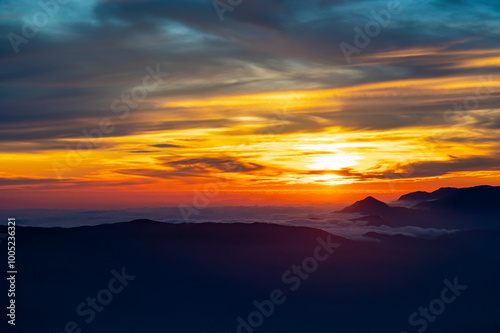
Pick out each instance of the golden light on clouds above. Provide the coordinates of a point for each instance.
(294, 139)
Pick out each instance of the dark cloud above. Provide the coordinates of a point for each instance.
(68, 77)
(27, 181)
(143, 151)
(438, 168)
(192, 168)
(166, 145)
(428, 168)
(486, 120)
(207, 164)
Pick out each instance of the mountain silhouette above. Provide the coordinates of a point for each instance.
(192, 277)
(449, 208)
(420, 196)
(479, 199)
(369, 205)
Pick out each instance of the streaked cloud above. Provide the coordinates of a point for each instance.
(268, 90)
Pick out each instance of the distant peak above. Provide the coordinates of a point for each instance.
(367, 205)
(420, 196)
(441, 189)
(370, 199)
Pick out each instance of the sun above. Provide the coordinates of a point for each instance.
(334, 161)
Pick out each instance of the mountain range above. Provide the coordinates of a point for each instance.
(190, 278)
(450, 208)
(148, 276)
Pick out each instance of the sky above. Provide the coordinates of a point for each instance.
(118, 103)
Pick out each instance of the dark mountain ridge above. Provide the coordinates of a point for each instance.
(201, 277)
(477, 199)
(463, 209)
(420, 196)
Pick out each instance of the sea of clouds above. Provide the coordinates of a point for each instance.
(323, 217)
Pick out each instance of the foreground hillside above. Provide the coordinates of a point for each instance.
(202, 277)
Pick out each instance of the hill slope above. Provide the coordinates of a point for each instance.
(201, 277)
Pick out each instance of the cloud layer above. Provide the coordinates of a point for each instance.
(268, 89)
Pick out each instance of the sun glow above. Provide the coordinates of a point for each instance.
(334, 161)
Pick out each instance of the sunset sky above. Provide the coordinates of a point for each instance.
(260, 108)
